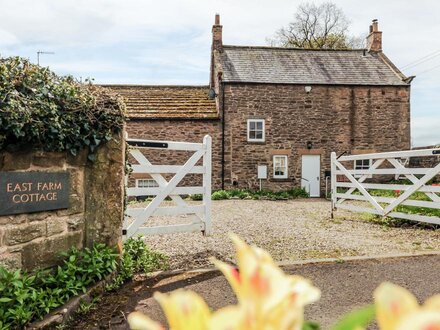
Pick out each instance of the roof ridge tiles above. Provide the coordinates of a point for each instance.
(153, 86)
(294, 48)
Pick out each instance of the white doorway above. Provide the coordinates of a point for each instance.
(310, 177)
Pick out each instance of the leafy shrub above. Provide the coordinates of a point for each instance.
(298, 193)
(42, 110)
(238, 193)
(259, 194)
(220, 194)
(196, 197)
(25, 297)
(137, 257)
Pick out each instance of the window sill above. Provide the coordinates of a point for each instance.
(256, 142)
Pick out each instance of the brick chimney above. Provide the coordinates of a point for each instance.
(374, 39)
(217, 42)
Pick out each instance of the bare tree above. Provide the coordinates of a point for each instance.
(323, 26)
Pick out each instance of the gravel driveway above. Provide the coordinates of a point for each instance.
(289, 230)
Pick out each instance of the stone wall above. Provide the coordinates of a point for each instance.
(35, 240)
(333, 118)
(354, 119)
(178, 130)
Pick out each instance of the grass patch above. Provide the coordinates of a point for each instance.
(420, 196)
(408, 209)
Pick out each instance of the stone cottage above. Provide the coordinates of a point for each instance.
(278, 113)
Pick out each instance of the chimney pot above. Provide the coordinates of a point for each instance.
(374, 39)
(375, 25)
(217, 42)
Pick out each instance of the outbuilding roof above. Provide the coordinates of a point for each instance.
(302, 66)
(166, 102)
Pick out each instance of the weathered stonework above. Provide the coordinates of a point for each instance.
(95, 214)
(333, 118)
(104, 198)
(313, 102)
(179, 130)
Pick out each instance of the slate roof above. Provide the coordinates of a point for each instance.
(166, 102)
(302, 66)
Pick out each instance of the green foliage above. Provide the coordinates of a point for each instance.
(358, 319)
(317, 26)
(137, 257)
(25, 297)
(39, 109)
(86, 306)
(220, 194)
(196, 197)
(263, 194)
(310, 325)
(395, 222)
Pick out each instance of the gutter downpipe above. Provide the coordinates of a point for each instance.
(223, 135)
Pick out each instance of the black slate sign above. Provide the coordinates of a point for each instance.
(26, 192)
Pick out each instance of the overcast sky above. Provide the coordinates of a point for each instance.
(168, 41)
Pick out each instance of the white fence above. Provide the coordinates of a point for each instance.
(352, 188)
(136, 220)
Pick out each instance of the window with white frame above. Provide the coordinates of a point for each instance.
(255, 130)
(362, 164)
(146, 183)
(280, 167)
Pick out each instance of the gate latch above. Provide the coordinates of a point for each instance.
(147, 144)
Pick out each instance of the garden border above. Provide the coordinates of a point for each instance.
(62, 314)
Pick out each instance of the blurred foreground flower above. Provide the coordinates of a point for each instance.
(398, 309)
(267, 298)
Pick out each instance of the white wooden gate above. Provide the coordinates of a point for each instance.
(136, 218)
(358, 192)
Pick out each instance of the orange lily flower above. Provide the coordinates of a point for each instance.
(398, 309)
(267, 299)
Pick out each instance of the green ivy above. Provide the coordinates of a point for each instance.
(41, 110)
